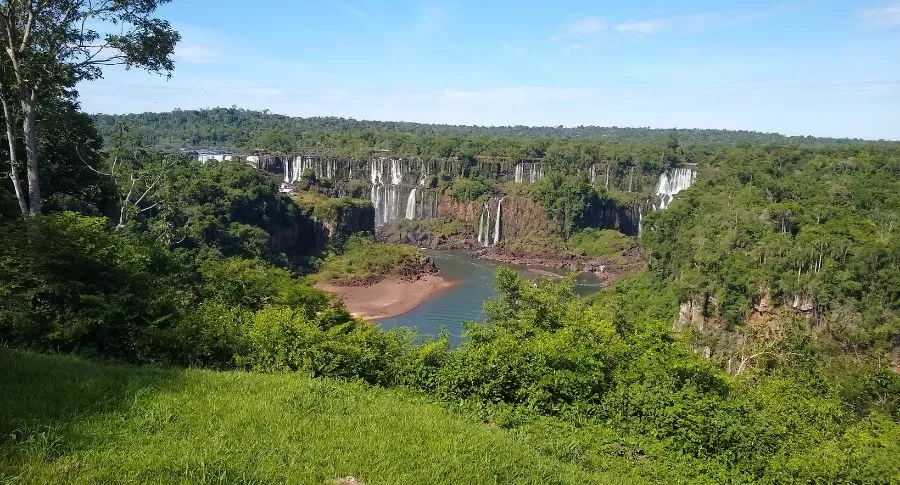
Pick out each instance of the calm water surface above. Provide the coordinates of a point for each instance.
(463, 303)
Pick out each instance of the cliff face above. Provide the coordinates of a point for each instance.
(768, 321)
(620, 217)
(520, 217)
(316, 225)
(344, 220)
(268, 163)
(298, 237)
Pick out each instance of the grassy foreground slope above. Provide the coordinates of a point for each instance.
(67, 420)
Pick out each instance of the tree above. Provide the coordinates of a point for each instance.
(134, 171)
(50, 45)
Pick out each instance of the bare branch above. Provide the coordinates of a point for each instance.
(86, 164)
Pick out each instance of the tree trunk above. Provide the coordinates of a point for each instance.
(13, 161)
(31, 149)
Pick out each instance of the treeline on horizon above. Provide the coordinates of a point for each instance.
(248, 130)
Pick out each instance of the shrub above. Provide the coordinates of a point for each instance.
(600, 242)
(331, 345)
(468, 190)
(365, 260)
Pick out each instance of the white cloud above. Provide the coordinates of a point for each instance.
(586, 26)
(197, 53)
(645, 27)
(879, 17)
(678, 24)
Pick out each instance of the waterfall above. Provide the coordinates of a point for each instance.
(535, 172)
(640, 220)
(670, 184)
(480, 227)
(487, 225)
(673, 182)
(411, 204)
(497, 222)
(287, 171)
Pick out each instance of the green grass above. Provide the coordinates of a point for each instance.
(67, 420)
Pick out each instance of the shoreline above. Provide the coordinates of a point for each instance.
(607, 269)
(388, 298)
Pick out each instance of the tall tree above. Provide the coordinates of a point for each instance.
(50, 45)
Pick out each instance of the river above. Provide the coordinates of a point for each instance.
(464, 302)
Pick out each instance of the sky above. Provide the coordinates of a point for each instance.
(806, 67)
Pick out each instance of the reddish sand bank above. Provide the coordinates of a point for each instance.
(389, 297)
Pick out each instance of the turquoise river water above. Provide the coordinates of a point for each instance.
(464, 302)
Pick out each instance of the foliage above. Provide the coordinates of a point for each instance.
(363, 260)
(468, 190)
(71, 285)
(600, 242)
(232, 127)
(52, 45)
(566, 200)
(624, 377)
(329, 344)
(812, 229)
(436, 227)
(343, 216)
(230, 207)
(535, 244)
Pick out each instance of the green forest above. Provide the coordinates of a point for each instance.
(239, 129)
(159, 320)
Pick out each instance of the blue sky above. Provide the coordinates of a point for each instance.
(808, 67)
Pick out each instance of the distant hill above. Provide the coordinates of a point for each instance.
(237, 128)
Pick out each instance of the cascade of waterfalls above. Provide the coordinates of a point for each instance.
(497, 221)
(529, 171)
(391, 182)
(670, 184)
(390, 179)
(673, 182)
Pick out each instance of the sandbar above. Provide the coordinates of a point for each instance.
(390, 297)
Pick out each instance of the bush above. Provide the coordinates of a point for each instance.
(365, 261)
(468, 190)
(600, 242)
(70, 284)
(537, 350)
(331, 345)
